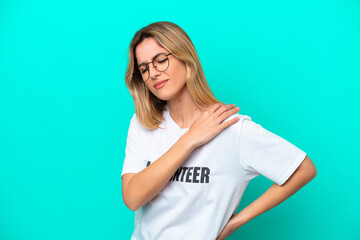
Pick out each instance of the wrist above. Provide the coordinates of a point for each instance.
(188, 141)
(241, 218)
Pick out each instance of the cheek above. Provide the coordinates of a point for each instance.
(179, 72)
(150, 86)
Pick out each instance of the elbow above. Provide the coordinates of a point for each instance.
(131, 202)
(306, 171)
(132, 207)
(313, 172)
(131, 197)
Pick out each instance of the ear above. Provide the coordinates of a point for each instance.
(188, 72)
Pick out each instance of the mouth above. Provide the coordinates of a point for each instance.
(160, 84)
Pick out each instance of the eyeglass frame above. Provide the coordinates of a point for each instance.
(152, 61)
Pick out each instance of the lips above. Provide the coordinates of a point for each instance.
(160, 82)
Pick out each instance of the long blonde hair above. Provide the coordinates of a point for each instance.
(149, 109)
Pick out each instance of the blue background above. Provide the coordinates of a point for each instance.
(293, 66)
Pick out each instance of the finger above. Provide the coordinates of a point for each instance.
(227, 124)
(224, 108)
(215, 107)
(221, 106)
(228, 113)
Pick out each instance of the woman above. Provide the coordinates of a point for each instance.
(189, 157)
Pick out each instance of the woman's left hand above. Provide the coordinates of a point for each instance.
(229, 228)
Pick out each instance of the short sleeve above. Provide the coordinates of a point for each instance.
(134, 160)
(263, 152)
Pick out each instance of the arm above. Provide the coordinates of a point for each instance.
(277, 194)
(272, 197)
(138, 189)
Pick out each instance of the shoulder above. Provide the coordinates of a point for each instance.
(135, 124)
(237, 127)
(242, 119)
(134, 119)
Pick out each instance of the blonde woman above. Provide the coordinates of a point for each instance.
(189, 157)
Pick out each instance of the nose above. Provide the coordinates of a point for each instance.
(153, 72)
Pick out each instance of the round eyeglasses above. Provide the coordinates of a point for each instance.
(160, 63)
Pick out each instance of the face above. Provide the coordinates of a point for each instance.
(175, 74)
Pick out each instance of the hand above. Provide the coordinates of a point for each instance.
(230, 227)
(211, 122)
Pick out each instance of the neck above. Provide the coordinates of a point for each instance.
(183, 109)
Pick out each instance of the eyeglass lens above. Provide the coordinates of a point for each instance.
(160, 62)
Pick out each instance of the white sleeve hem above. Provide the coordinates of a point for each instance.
(292, 169)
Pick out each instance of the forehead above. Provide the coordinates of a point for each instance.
(147, 49)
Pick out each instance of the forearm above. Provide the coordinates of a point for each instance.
(146, 184)
(277, 194)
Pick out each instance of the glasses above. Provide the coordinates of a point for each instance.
(160, 63)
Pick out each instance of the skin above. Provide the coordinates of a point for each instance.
(272, 197)
(204, 125)
(139, 188)
(181, 105)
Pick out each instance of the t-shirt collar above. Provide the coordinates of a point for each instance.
(171, 123)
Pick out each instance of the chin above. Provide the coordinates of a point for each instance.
(163, 97)
(167, 94)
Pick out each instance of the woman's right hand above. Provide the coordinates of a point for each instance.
(210, 123)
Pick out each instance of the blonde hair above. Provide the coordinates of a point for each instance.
(148, 108)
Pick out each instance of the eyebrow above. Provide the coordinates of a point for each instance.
(143, 63)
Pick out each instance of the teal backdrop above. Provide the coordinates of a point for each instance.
(293, 66)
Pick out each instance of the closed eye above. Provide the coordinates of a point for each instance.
(144, 70)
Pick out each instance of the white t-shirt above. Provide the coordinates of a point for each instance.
(206, 190)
